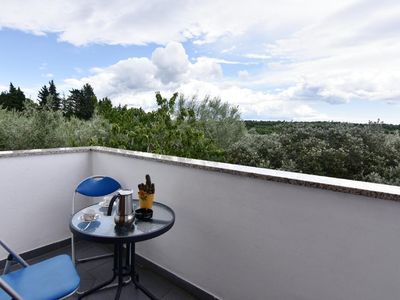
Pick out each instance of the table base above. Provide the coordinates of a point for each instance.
(120, 271)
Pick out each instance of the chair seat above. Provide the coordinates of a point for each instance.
(52, 279)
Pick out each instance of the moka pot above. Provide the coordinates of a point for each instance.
(124, 215)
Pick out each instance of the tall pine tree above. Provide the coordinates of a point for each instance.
(13, 99)
(70, 103)
(85, 107)
(42, 96)
(55, 100)
(49, 96)
(80, 103)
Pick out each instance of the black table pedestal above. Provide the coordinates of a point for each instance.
(104, 230)
(120, 271)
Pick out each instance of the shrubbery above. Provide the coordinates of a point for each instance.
(208, 129)
(359, 152)
(43, 128)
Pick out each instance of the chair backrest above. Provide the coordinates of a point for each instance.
(97, 186)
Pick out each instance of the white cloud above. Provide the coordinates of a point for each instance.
(257, 56)
(142, 22)
(243, 74)
(224, 61)
(132, 74)
(172, 62)
(352, 54)
(133, 81)
(206, 69)
(255, 105)
(78, 70)
(330, 51)
(3, 88)
(229, 49)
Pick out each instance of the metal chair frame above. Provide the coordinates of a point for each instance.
(75, 260)
(12, 259)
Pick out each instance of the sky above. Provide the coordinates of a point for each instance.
(300, 60)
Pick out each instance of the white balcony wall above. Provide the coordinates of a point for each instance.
(35, 197)
(236, 237)
(244, 238)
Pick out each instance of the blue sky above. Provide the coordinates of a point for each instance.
(292, 60)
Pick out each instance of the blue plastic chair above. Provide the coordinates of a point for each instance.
(94, 186)
(54, 278)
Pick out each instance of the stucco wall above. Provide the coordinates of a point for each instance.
(35, 197)
(246, 238)
(235, 236)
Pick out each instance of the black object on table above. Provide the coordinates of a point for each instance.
(103, 230)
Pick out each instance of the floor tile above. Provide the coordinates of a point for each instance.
(95, 272)
(178, 294)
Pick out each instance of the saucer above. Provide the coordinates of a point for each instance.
(104, 203)
(82, 218)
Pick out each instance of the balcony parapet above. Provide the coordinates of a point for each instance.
(368, 189)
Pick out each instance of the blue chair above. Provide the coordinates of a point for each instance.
(54, 278)
(93, 186)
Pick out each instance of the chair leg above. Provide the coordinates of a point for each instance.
(83, 260)
(73, 250)
(77, 260)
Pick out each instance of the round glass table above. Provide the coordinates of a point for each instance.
(103, 230)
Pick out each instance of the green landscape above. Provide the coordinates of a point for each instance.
(208, 129)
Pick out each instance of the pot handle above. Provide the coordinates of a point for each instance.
(110, 206)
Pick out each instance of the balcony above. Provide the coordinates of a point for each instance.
(240, 232)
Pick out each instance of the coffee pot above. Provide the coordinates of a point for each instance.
(125, 214)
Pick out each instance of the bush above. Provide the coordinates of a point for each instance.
(358, 152)
(36, 128)
(218, 120)
(213, 130)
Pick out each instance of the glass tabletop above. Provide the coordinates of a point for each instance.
(103, 228)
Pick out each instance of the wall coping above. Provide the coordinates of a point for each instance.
(368, 189)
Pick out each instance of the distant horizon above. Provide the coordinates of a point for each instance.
(244, 119)
(324, 121)
(293, 60)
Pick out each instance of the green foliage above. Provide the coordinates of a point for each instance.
(42, 95)
(166, 130)
(44, 128)
(84, 108)
(80, 103)
(95, 132)
(267, 127)
(69, 104)
(359, 152)
(207, 129)
(14, 99)
(48, 97)
(220, 121)
(55, 100)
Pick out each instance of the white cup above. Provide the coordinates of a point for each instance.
(89, 214)
(106, 200)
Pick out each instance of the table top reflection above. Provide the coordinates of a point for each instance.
(103, 228)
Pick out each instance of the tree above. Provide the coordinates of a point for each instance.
(48, 97)
(42, 96)
(70, 103)
(13, 99)
(56, 100)
(45, 128)
(219, 120)
(105, 108)
(166, 130)
(353, 151)
(80, 103)
(87, 100)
